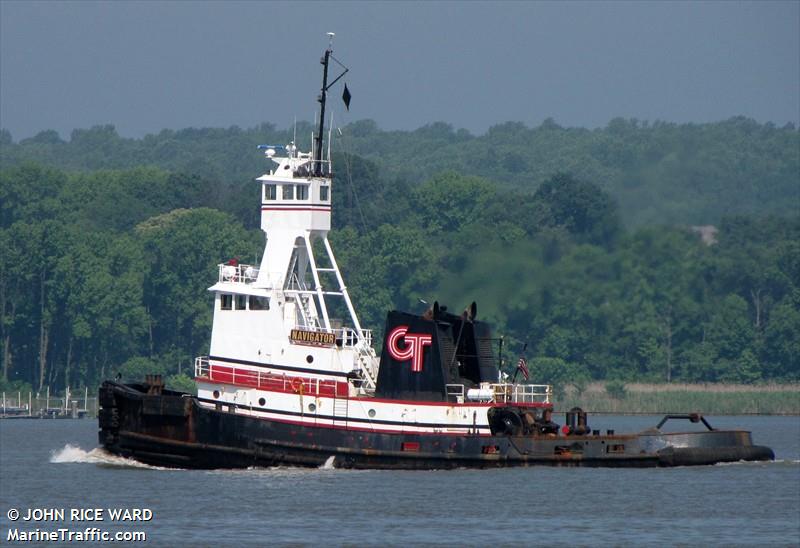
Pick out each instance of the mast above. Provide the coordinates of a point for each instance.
(295, 212)
(318, 162)
(322, 97)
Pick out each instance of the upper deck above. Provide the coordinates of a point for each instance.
(240, 279)
(292, 196)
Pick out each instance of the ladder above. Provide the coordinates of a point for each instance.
(309, 319)
(340, 410)
(366, 360)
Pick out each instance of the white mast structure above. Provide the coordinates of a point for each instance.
(278, 314)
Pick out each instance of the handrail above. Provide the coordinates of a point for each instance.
(239, 273)
(692, 417)
(265, 380)
(201, 366)
(347, 335)
(455, 391)
(502, 393)
(522, 393)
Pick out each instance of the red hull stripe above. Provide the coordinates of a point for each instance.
(332, 389)
(464, 429)
(271, 382)
(343, 391)
(453, 404)
(427, 403)
(279, 367)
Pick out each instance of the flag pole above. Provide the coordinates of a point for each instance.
(500, 359)
(521, 357)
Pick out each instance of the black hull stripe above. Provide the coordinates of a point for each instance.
(347, 419)
(280, 367)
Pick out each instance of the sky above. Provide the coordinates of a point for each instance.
(147, 66)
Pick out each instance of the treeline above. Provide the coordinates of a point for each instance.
(592, 300)
(104, 262)
(658, 173)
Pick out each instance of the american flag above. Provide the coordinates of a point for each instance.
(522, 365)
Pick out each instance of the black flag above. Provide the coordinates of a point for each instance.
(346, 97)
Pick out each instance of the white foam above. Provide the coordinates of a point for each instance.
(72, 454)
(790, 462)
(328, 464)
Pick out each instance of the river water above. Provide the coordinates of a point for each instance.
(56, 464)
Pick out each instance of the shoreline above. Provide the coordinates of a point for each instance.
(707, 399)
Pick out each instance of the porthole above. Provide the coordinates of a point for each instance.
(371, 413)
(261, 402)
(312, 407)
(309, 358)
(216, 393)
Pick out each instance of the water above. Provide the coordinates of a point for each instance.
(55, 464)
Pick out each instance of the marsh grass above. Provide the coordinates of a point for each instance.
(717, 399)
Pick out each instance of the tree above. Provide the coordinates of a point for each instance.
(582, 208)
(449, 201)
(781, 349)
(182, 249)
(558, 373)
(731, 334)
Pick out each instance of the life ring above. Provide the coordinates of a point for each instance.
(297, 385)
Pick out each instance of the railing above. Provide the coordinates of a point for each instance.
(349, 336)
(307, 169)
(267, 381)
(500, 393)
(201, 366)
(240, 273)
(522, 393)
(42, 405)
(454, 392)
(346, 337)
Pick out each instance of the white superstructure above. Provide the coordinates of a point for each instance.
(286, 342)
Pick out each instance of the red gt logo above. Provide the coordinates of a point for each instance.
(415, 343)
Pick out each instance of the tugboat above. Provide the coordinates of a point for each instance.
(287, 383)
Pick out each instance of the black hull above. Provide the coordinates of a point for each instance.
(171, 429)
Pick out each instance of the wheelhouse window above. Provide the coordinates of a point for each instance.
(225, 302)
(323, 193)
(241, 302)
(259, 303)
(270, 192)
(302, 192)
(288, 192)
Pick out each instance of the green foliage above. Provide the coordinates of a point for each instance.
(582, 208)
(182, 249)
(616, 389)
(136, 368)
(11, 388)
(702, 399)
(559, 374)
(107, 245)
(182, 383)
(659, 173)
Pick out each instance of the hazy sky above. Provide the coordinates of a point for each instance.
(144, 66)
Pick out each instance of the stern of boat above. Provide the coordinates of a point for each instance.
(133, 417)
